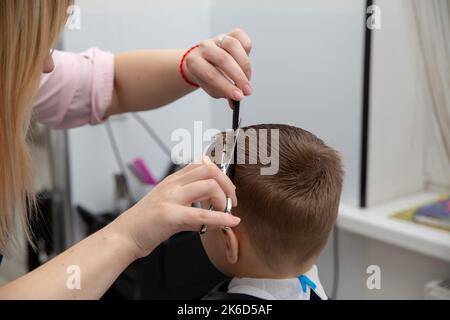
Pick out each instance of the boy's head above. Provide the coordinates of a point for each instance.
(287, 216)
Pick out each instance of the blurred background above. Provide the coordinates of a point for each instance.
(371, 78)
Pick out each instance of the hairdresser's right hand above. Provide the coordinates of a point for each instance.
(167, 210)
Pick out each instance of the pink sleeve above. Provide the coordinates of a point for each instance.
(78, 91)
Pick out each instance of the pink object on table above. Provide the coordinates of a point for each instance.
(144, 172)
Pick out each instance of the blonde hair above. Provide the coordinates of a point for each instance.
(28, 30)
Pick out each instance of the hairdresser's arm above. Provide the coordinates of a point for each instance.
(103, 256)
(100, 259)
(151, 79)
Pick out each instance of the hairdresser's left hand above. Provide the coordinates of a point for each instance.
(167, 209)
(222, 68)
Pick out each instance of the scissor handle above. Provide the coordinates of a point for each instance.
(228, 208)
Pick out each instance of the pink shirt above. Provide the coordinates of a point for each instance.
(78, 91)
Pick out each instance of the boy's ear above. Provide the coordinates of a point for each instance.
(231, 245)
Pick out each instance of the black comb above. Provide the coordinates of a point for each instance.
(236, 121)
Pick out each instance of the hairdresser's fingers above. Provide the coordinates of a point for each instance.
(243, 38)
(174, 176)
(212, 80)
(208, 172)
(211, 171)
(223, 60)
(204, 160)
(235, 48)
(204, 190)
(192, 219)
(197, 163)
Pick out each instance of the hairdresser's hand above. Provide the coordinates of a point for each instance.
(167, 210)
(221, 66)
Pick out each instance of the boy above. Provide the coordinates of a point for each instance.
(286, 216)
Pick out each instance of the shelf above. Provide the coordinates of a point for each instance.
(376, 223)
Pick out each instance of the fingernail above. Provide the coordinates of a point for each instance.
(238, 95)
(236, 219)
(248, 90)
(249, 75)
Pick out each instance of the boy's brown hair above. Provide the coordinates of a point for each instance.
(288, 216)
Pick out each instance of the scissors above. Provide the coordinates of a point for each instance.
(229, 159)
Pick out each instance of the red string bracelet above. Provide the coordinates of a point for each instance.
(183, 74)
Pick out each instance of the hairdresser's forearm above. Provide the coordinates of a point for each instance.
(147, 80)
(150, 79)
(100, 259)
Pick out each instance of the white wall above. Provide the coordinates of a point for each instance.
(403, 153)
(404, 273)
(308, 70)
(398, 127)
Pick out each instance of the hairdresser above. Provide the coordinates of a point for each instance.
(65, 90)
